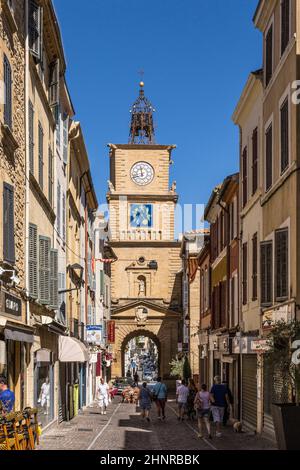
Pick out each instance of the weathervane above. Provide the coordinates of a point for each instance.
(142, 126)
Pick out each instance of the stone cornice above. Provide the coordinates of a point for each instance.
(171, 197)
(152, 243)
(263, 13)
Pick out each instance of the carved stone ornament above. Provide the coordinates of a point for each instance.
(141, 315)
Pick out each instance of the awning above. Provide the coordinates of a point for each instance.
(17, 335)
(72, 350)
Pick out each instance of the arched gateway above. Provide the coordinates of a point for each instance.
(146, 279)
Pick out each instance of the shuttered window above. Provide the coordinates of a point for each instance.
(284, 135)
(54, 83)
(232, 301)
(89, 318)
(33, 262)
(7, 92)
(266, 273)
(41, 156)
(254, 161)
(58, 222)
(44, 270)
(285, 24)
(282, 264)
(101, 282)
(245, 273)
(54, 279)
(50, 176)
(65, 138)
(223, 304)
(245, 176)
(269, 157)
(35, 23)
(254, 267)
(31, 137)
(8, 224)
(64, 217)
(269, 55)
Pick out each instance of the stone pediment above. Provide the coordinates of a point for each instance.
(134, 308)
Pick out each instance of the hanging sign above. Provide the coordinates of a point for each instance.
(111, 333)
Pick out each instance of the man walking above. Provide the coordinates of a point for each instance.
(160, 396)
(182, 397)
(219, 399)
(103, 391)
(7, 397)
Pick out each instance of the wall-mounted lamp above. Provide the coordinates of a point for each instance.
(14, 278)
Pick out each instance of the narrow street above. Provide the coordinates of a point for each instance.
(122, 428)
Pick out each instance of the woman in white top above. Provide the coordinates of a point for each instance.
(202, 405)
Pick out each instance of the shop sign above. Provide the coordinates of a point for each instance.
(236, 345)
(94, 334)
(111, 331)
(203, 338)
(93, 358)
(283, 313)
(12, 305)
(203, 351)
(260, 345)
(296, 354)
(246, 344)
(224, 344)
(179, 347)
(213, 343)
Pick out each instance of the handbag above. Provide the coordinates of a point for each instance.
(155, 395)
(198, 402)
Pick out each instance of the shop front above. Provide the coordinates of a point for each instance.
(249, 383)
(44, 380)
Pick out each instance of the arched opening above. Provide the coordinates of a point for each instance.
(142, 286)
(141, 354)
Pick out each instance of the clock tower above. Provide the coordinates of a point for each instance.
(146, 278)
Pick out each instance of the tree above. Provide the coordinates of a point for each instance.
(177, 367)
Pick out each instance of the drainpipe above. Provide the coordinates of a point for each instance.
(27, 188)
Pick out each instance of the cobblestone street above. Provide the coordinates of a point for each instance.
(123, 428)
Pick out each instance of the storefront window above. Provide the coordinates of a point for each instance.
(44, 392)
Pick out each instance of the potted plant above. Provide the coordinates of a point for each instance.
(281, 357)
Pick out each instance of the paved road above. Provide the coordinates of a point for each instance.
(123, 428)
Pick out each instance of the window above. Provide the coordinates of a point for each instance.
(254, 161)
(41, 156)
(284, 135)
(33, 262)
(8, 224)
(50, 175)
(54, 83)
(254, 267)
(54, 279)
(44, 270)
(7, 92)
(31, 137)
(269, 157)
(35, 22)
(269, 55)
(201, 291)
(58, 128)
(282, 264)
(207, 289)
(66, 139)
(285, 24)
(64, 217)
(58, 223)
(266, 260)
(245, 273)
(232, 300)
(245, 176)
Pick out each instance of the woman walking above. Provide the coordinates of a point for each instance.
(145, 401)
(202, 405)
(191, 399)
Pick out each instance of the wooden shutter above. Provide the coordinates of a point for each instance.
(8, 92)
(8, 224)
(64, 217)
(44, 270)
(285, 24)
(35, 22)
(65, 138)
(54, 83)
(266, 273)
(269, 55)
(101, 283)
(223, 303)
(245, 273)
(245, 176)
(31, 137)
(282, 264)
(54, 279)
(284, 135)
(254, 267)
(33, 262)
(41, 156)
(269, 157)
(50, 175)
(254, 161)
(58, 223)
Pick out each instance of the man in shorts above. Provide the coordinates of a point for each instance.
(182, 396)
(219, 399)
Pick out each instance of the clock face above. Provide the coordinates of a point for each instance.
(141, 215)
(142, 173)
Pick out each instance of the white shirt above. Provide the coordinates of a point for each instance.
(45, 389)
(182, 393)
(103, 390)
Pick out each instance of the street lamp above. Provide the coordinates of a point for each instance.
(14, 278)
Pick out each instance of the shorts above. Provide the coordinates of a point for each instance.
(218, 413)
(203, 413)
(103, 401)
(181, 405)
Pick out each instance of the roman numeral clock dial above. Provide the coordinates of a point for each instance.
(142, 173)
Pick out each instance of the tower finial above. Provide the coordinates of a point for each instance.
(142, 127)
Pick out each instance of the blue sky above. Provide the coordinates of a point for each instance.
(196, 56)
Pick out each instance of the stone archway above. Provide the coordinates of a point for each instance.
(134, 334)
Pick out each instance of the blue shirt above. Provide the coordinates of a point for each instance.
(219, 392)
(160, 390)
(7, 399)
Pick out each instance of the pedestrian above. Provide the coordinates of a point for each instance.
(160, 396)
(178, 382)
(191, 399)
(7, 396)
(103, 391)
(181, 399)
(227, 410)
(145, 401)
(219, 398)
(44, 398)
(202, 406)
